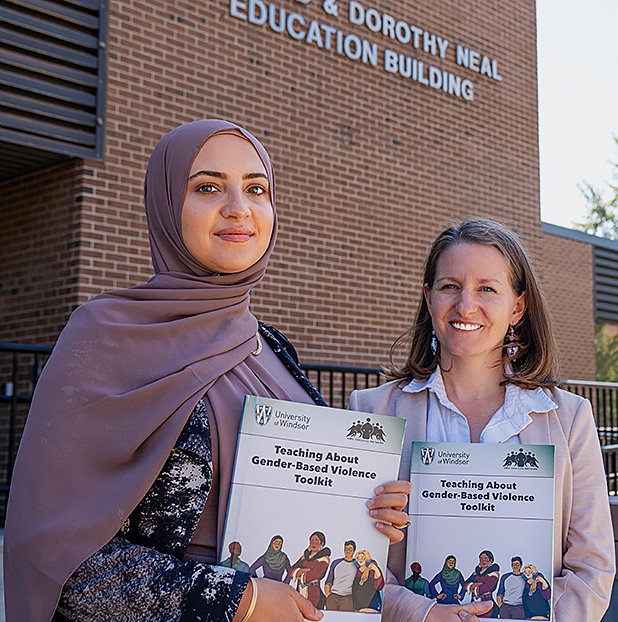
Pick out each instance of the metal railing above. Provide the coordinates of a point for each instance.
(21, 365)
(335, 383)
(610, 461)
(604, 399)
(20, 368)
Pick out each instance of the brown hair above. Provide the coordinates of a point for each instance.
(534, 364)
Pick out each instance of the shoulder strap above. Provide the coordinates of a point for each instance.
(287, 354)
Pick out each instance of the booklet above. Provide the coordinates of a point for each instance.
(297, 508)
(482, 525)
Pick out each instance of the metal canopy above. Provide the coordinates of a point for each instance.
(52, 83)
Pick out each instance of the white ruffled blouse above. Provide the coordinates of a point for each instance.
(447, 424)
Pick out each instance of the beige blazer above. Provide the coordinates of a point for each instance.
(584, 563)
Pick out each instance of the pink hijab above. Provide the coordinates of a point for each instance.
(124, 376)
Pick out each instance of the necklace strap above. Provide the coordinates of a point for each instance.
(258, 349)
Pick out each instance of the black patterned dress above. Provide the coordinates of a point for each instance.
(139, 574)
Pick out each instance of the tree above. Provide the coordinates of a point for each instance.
(605, 354)
(602, 217)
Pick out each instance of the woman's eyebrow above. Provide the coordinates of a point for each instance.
(483, 281)
(220, 175)
(209, 174)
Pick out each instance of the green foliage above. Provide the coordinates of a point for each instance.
(602, 217)
(606, 355)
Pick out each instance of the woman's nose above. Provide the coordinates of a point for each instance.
(236, 205)
(466, 303)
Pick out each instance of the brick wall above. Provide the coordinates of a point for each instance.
(39, 253)
(567, 277)
(370, 165)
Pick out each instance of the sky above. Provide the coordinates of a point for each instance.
(578, 103)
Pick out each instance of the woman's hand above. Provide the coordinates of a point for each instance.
(457, 613)
(376, 571)
(386, 507)
(276, 602)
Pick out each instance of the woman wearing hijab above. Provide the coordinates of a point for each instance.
(451, 583)
(481, 367)
(273, 562)
(120, 487)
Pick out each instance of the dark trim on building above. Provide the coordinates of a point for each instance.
(605, 266)
(580, 236)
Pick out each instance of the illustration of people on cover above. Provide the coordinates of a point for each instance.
(451, 583)
(273, 562)
(311, 568)
(483, 581)
(511, 592)
(415, 583)
(537, 594)
(367, 584)
(341, 574)
(234, 561)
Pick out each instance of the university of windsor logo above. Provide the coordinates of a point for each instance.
(262, 414)
(427, 455)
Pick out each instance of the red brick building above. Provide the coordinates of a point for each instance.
(385, 121)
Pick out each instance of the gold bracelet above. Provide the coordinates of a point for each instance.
(253, 601)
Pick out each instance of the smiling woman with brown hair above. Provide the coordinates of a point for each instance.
(481, 367)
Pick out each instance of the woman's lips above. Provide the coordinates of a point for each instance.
(234, 234)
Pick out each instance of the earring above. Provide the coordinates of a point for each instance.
(511, 347)
(434, 342)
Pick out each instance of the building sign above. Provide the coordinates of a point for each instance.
(367, 22)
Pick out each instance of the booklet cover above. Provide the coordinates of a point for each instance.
(297, 513)
(482, 525)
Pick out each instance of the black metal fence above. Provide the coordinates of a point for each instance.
(21, 365)
(336, 383)
(610, 459)
(604, 399)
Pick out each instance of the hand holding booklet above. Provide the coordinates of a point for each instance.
(482, 526)
(297, 509)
